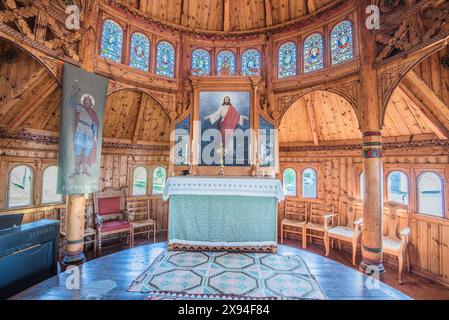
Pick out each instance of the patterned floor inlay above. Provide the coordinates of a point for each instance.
(224, 275)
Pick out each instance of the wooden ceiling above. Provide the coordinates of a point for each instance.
(227, 15)
(30, 99)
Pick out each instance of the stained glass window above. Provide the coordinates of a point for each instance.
(139, 181)
(112, 41)
(49, 182)
(342, 47)
(289, 182)
(165, 59)
(287, 60)
(20, 186)
(430, 194)
(397, 183)
(140, 52)
(251, 63)
(313, 53)
(200, 62)
(159, 176)
(309, 183)
(226, 63)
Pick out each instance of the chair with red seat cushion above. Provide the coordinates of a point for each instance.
(111, 219)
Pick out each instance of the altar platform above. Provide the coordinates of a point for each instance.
(109, 277)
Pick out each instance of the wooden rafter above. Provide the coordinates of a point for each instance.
(18, 15)
(226, 15)
(313, 122)
(36, 97)
(268, 13)
(23, 94)
(424, 112)
(139, 120)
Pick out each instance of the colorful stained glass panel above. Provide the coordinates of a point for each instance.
(140, 52)
(200, 62)
(165, 59)
(226, 63)
(313, 53)
(251, 63)
(342, 47)
(287, 60)
(112, 41)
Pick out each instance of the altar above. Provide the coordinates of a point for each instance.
(223, 213)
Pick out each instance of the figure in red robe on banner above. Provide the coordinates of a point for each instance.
(230, 119)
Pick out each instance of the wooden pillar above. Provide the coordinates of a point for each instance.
(372, 252)
(76, 204)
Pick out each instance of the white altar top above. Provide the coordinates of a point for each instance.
(228, 186)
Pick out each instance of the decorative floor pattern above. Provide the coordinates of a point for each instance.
(218, 275)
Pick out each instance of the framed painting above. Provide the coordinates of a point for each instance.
(225, 128)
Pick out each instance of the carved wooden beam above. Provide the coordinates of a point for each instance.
(428, 105)
(37, 98)
(19, 15)
(139, 120)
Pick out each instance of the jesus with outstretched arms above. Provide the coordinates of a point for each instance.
(230, 119)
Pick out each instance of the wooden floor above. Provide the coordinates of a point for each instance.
(109, 277)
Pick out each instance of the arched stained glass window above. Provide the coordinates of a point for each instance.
(397, 183)
(200, 62)
(430, 194)
(159, 176)
(342, 47)
(140, 180)
(309, 183)
(287, 60)
(313, 53)
(165, 59)
(226, 63)
(251, 63)
(289, 182)
(140, 52)
(20, 189)
(49, 183)
(112, 41)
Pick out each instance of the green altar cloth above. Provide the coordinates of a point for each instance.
(223, 220)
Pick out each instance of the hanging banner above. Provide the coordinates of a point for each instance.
(80, 134)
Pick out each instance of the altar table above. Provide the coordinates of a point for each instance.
(223, 213)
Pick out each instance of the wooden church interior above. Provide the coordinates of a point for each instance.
(361, 119)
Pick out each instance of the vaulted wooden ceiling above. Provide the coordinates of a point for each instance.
(419, 106)
(227, 15)
(30, 99)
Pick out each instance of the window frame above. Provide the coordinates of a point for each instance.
(387, 190)
(32, 186)
(296, 181)
(132, 180)
(316, 182)
(175, 56)
(323, 53)
(354, 44)
(153, 169)
(43, 183)
(441, 176)
(236, 67)
(149, 50)
(210, 60)
(241, 60)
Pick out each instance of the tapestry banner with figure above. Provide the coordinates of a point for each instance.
(80, 136)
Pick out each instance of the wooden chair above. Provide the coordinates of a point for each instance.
(321, 219)
(110, 217)
(295, 219)
(394, 244)
(90, 236)
(349, 230)
(139, 214)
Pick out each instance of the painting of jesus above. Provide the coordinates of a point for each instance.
(229, 114)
